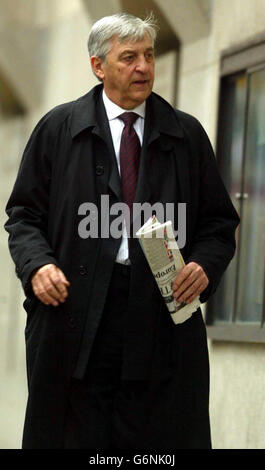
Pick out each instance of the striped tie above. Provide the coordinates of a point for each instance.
(129, 158)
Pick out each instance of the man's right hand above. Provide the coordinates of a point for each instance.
(49, 284)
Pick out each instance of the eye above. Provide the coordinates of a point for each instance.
(128, 58)
(149, 56)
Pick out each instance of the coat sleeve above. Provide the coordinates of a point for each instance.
(213, 244)
(28, 206)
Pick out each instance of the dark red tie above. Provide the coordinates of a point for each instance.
(129, 158)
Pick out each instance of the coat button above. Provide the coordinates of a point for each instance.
(82, 270)
(71, 322)
(99, 170)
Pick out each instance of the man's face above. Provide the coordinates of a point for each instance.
(128, 72)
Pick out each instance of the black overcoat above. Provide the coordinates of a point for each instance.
(69, 160)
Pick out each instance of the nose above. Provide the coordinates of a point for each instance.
(142, 64)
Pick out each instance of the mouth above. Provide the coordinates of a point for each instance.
(140, 82)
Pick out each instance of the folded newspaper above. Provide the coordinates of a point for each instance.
(165, 260)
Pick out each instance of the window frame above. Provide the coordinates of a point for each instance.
(246, 58)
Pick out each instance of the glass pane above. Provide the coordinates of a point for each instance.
(252, 242)
(230, 158)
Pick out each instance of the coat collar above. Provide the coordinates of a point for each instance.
(162, 117)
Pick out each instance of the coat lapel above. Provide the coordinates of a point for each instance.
(89, 113)
(103, 131)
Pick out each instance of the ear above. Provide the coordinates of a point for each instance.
(96, 64)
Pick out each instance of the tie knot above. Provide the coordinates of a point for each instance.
(128, 118)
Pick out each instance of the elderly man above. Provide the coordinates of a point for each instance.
(107, 368)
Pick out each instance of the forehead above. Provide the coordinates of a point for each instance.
(117, 47)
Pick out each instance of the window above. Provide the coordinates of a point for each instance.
(236, 311)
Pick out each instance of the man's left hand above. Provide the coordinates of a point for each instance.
(189, 283)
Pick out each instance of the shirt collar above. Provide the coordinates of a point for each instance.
(113, 110)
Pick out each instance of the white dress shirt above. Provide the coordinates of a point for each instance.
(116, 128)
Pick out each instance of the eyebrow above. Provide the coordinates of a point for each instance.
(133, 51)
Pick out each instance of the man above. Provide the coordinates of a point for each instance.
(107, 367)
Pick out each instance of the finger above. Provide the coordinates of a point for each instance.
(194, 288)
(200, 288)
(48, 300)
(46, 280)
(196, 272)
(63, 278)
(185, 284)
(195, 294)
(50, 289)
(40, 292)
(182, 275)
(64, 283)
(58, 282)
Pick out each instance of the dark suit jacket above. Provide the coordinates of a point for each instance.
(69, 160)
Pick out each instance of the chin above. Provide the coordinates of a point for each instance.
(141, 95)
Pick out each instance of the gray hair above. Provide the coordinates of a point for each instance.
(122, 25)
